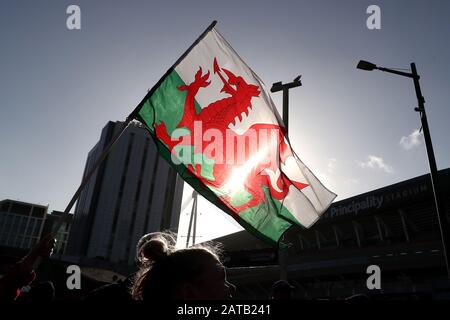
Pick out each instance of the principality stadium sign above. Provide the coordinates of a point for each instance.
(379, 199)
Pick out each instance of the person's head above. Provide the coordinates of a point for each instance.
(193, 273)
(147, 252)
(282, 290)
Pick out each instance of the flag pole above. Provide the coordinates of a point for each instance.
(97, 164)
(85, 181)
(135, 113)
(279, 86)
(88, 176)
(132, 116)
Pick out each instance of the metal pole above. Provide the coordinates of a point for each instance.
(84, 182)
(194, 232)
(282, 251)
(194, 208)
(87, 177)
(286, 109)
(440, 208)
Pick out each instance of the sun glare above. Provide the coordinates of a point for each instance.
(236, 182)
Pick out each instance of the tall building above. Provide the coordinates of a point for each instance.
(133, 192)
(21, 223)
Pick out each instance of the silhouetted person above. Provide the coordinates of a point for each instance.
(22, 273)
(194, 273)
(120, 290)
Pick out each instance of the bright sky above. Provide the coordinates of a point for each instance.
(356, 130)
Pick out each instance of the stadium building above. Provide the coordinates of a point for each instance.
(395, 228)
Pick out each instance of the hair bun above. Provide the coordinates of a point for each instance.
(155, 249)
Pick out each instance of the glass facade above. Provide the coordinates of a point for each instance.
(20, 223)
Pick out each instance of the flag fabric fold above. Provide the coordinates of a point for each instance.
(214, 121)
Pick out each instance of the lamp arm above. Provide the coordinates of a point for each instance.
(400, 73)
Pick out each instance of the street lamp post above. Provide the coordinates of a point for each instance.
(279, 86)
(440, 208)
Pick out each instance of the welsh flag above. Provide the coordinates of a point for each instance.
(214, 121)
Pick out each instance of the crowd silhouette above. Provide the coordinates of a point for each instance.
(164, 273)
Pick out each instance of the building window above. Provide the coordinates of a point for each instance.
(119, 197)
(168, 201)
(9, 220)
(22, 209)
(5, 206)
(38, 212)
(15, 225)
(150, 194)
(136, 199)
(30, 226)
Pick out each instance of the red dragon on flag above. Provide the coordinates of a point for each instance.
(218, 115)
